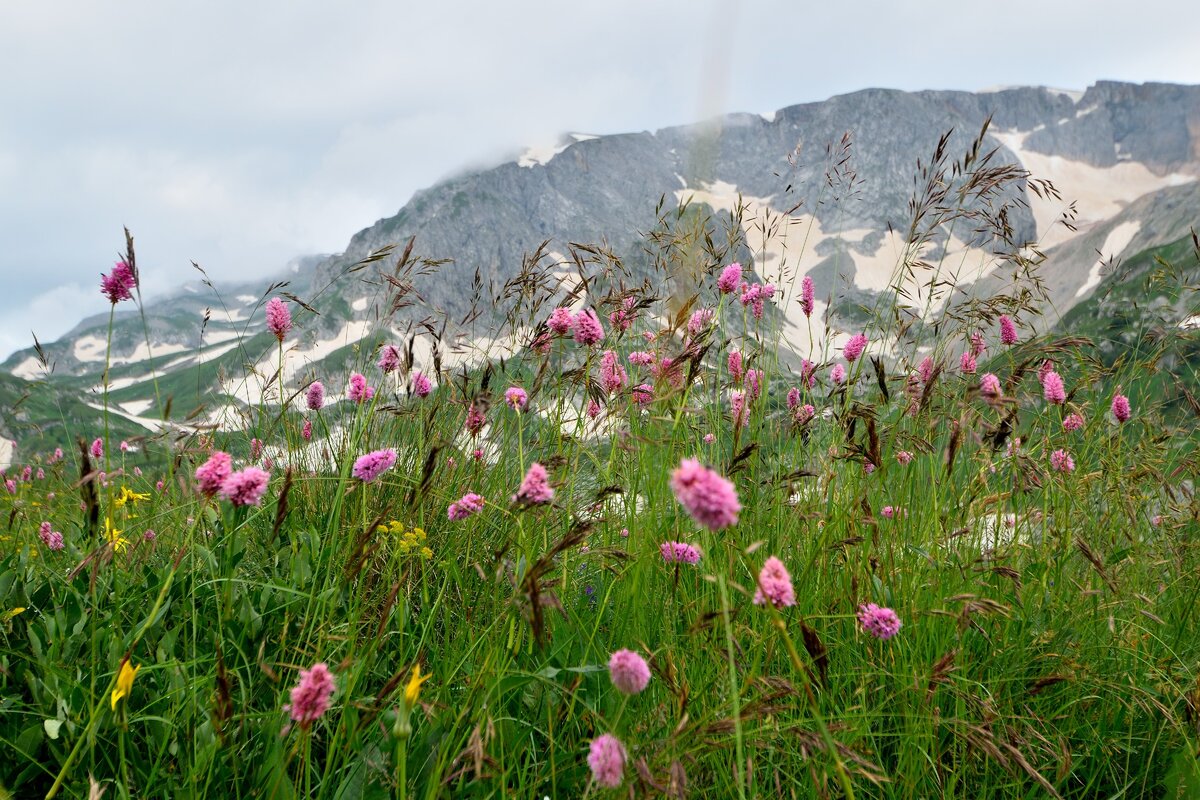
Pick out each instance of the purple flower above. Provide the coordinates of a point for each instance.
(421, 386)
(1061, 460)
(989, 384)
(967, 363)
(700, 319)
(119, 284)
(370, 466)
(279, 318)
(882, 623)
(837, 374)
(306, 431)
(1072, 422)
(613, 376)
(98, 448)
(904, 457)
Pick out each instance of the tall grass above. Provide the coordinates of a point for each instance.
(1049, 619)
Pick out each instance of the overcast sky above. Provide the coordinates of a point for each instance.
(240, 134)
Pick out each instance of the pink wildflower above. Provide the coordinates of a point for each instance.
(613, 376)
(1120, 408)
(730, 277)
(709, 438)
(10, 486)
(306, 431)
(1008, 331)
(421, 385)
(211, 475)
(256, 447)
(1053, 389)
(641, 358)
(1061, 460)
(837, 374)
(807, 296)
(925, 369)
(370, 466)
(967, 363)
(989, 384)
(642, 394)
(561, 321)
(315, 396)
(119, 284)
(98, 448)
(606, 758)
(978, 345)
(245, 488)
(854, 347)
(593, 409)
(1072, 422)
(888, 512)
(477, 454)
(623, 317)
(775, 585)
(882, 623)
(389, 358)
(588, 330)
(516, 398)
(804, 414)
(279, 318)
(700, 319)
(679, 553)
(734, 363)
(793, 398)
(904, 457)
(1045, 369)
(310, 697)
(753, 383)
(469, 504)
(358, 390)
(475, 420)
(710, 498)
(737, 409)
(628, 671)
(808, 373)
(535, 488)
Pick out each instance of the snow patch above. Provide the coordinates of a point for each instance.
(30, 369)
(1114, 244)
(360, 304)
(540, 155)
(769, 116)
(137, 407)
(8, 449)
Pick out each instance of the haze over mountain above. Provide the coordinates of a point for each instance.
(1124, 157)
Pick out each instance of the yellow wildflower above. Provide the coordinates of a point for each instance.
(127, 495)
(124, 682)
(114, 536)
(413, 690)
(12, 613)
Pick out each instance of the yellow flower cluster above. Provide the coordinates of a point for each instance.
(128, 495)
(410, 541)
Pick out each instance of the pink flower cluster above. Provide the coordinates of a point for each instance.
(1061, 460)
(606, 758)
(756, 295)
(679, 553)
(475, 420)
(51, 538)
(1052, 388)
(1072, 422)
(700, 319)
(468, 505)
(245, 488)
(359, 391)
(729, 279)
(119, 284)
(774, 585)
(561, 320)
(211, 475)
(279, 318)
(516, 398)
(628, 671)
(613, 376)
(535, 489)
(854, 347)
(1120, 408)
(882, 623)
(967, 364)
(710, 498)
(1008, 331)
(807, 296)
(588, 330)
(989, 384)
(370, 466)
(310, 697)
(389, 358)
(623, 317)
(421, 385)
(315, 397)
